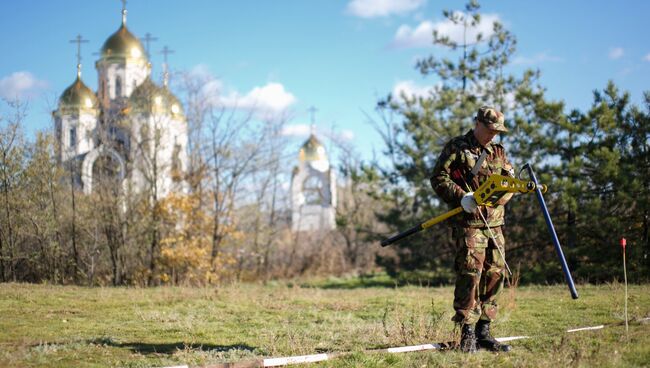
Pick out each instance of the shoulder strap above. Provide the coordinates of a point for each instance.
(478, 164)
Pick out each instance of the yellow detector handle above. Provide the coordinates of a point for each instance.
(495, 187)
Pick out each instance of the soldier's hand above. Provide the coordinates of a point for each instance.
(468, 202)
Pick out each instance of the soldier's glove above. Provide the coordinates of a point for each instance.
(468, 202)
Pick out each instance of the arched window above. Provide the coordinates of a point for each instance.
(73, 137)
(118, 87)
(177, 165)
(107, 175)
(312, 190)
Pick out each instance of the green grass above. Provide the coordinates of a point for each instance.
(54, 326)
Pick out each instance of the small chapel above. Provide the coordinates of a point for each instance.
(313, 189)
(132, 130)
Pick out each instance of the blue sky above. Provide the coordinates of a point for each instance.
(340, 56)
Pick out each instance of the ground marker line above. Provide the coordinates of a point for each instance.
(586, 328)
(300, 359)
(406, 349)
(274, 362)
(511, 338)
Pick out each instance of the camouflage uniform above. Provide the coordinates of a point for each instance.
(479, 267)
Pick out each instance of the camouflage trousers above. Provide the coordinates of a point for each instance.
(480, 272)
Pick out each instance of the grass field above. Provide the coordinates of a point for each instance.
(55, 326)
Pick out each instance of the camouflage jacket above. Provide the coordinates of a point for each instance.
(455, 163)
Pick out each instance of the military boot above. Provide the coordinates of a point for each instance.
(467, 339)
(485, 339)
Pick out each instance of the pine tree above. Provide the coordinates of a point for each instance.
(415, 129)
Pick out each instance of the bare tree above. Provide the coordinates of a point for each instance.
(43, 189)
(263, 220)
(12, 157)
(355, 209)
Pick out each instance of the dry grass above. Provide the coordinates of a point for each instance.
(55, 326)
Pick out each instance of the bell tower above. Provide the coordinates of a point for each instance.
(123, 65)
(75, 119)
(313, 188)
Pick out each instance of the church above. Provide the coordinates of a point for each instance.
(131, 131)
(313, 189)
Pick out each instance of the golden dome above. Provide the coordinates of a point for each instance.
(150, 98)
(77, 97)
(123, 45)
(312, 150)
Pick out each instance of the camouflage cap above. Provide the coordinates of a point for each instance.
(492, 118)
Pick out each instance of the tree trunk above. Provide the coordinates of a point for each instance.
(154, 249)
(571, 229)
(10, 230)
(75, 255)
(646, 239)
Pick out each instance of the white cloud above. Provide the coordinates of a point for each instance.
(201, 71)
(539, 58)
(382, 8)
(340, 136)
(21, 85)
(304, 130)
(212, 90)
(647, 57)
(422, 35)
(271, 98)
(616, 53)
(296, 130)
(346, 134)
(409, 89)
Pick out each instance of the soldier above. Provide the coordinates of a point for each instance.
(464, 164)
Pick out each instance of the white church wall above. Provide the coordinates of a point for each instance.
(158, 149)
(85, 135)
(130, 75)
(76, 134)
(121, 132)
(307, 215)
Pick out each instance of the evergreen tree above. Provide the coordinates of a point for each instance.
(595, 164)
(416, 128)
(613, 197)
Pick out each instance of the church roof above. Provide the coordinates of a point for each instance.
(149, 97)
(312, 150)
(77, 97)
(123, 45)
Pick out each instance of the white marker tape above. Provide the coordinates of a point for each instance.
(406, 349)
(586, 328)
(274, 362)
(511, 338)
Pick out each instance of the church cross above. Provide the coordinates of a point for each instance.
(312, 110)
(165, 52)
(123, 12)
(79, 40)
(147, 41)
